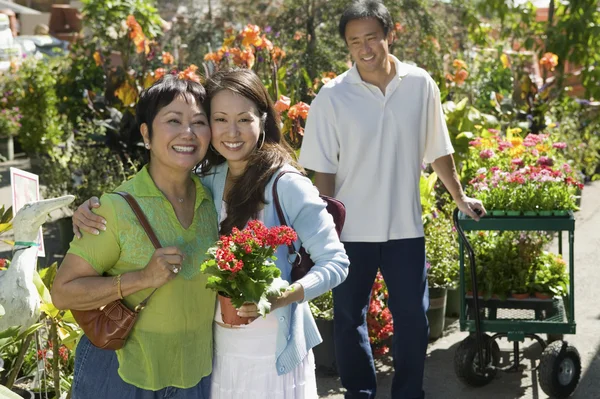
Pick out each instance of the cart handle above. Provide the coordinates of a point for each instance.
(471, 253)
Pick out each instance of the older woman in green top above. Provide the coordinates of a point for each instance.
(169, 351)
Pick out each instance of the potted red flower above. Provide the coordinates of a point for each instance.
(242, 268)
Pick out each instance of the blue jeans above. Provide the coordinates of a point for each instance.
(402, 264)
(96, 377)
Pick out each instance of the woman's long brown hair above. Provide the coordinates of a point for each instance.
(247, 194)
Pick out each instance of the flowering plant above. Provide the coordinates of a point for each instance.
(10, 122)
(241, 265)
(522, 174)
(379, 318)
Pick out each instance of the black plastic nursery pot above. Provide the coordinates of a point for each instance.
(325, 352)
(436, 314)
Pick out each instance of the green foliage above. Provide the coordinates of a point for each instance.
(573, 36)
(81, 84)
(505, 261)
(42, 127)
(106, 18)
(85, 169)
(463, 121)
(322, 306)
(10, 121)
(441, 247)
(550, 276)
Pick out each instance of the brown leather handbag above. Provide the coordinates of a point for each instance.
(109, 326)
(302, 264)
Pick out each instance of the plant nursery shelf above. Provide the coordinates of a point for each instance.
(532, 315)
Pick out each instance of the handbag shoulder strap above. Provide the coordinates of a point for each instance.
(280, 214)
(135, 207)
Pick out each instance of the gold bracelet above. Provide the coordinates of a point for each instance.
(119, 292)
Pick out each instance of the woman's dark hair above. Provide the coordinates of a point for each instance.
(361, 9)
(162, 93)
(247, 193)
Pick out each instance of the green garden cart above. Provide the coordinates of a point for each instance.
(477, 358)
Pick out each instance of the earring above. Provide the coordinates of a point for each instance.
(262, 140)
(147, 146)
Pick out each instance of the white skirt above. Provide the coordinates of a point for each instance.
(244, 365)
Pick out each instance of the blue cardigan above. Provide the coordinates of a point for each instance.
(305, 212)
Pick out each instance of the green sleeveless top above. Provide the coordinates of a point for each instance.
(171, 342)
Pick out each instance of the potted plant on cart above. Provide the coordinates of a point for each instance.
(550, 278)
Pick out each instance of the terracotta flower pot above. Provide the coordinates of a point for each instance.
(542, 295)
(520, 296)
(229, 312)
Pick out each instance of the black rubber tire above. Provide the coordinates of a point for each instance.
(554, 337)
(552, 365)
(466, 358)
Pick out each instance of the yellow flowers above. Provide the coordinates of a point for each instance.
(549, 61)
(127, 94)
(97, 58)
(504, 60)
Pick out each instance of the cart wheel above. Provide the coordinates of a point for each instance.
(466, 361)
(554, 337)
(560, 369)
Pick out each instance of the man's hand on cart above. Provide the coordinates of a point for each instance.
(471, 207)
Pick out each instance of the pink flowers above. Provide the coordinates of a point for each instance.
(486, 154)
(559, 145)
(517, 161)
(545, 161)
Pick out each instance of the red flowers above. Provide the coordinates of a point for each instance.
(254, 239)
(379, 318)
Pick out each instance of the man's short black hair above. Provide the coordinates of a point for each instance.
(162, 93)
(361, 9)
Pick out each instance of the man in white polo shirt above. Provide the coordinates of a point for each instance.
(367, 134)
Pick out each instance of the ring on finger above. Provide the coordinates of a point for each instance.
(175, 270)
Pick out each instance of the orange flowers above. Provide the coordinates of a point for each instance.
(460, 72)
(251, 36)
(137, 35)
(398, 27)
(459, 64)
(242, 58)
(217, 56)
(299, 110)
(549, 61)
(298, 35)
(167, 58)
(277, 54)
(159, 73)
(190, 74)
(282, 104)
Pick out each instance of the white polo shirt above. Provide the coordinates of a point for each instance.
(375, 145)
